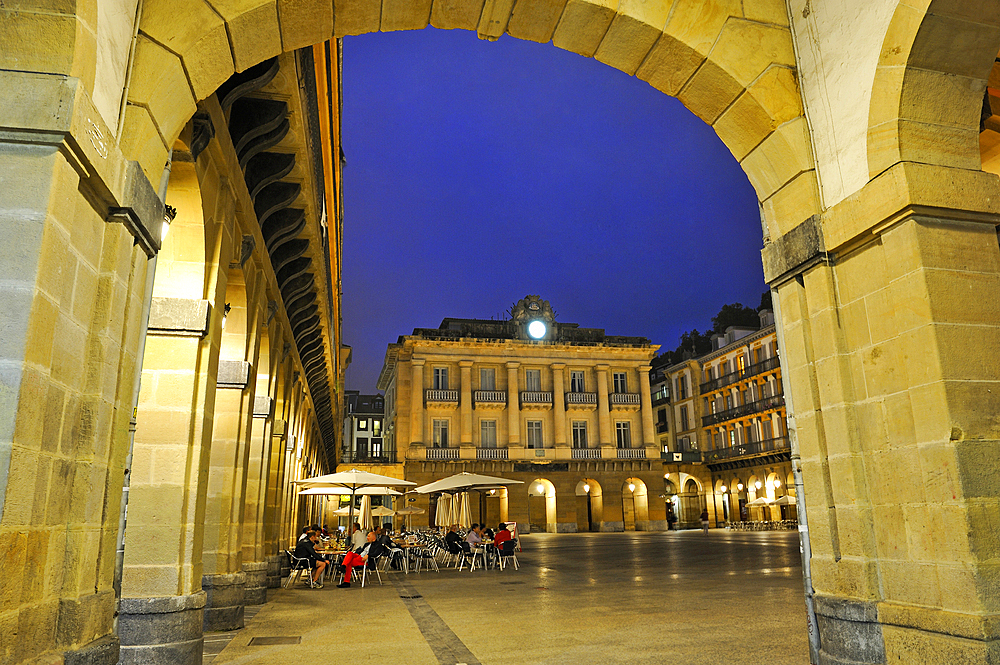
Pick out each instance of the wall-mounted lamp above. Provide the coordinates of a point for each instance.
(586, 488)
(739, 487)
(492, 493)
(723, 489)
(631, 487)
(225, 315)
(777, 483)
(169, 212)
(540, 488)
(757, 484)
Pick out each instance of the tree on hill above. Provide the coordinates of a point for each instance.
(735, 314)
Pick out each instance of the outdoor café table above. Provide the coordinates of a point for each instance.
(479, 550)
(333, 557)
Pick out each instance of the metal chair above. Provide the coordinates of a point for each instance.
(507, 553)
(299, 565)
(372, 564)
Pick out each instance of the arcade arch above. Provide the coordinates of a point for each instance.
(589, 505)
(541, 506)
(635, 505)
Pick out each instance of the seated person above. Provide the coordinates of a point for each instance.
(452, 539)
(306, 549)
(503, 535)
(474, 539)
(357, 536)
(383, 537)
(487, 533)
(305, 533)
(359, 557)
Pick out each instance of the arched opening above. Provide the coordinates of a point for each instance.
(721, 501)
(589, 505)
(541, 506)
(691, 503)
(635, 506)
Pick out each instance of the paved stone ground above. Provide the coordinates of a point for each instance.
(682, 597)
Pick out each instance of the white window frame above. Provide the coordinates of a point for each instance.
(620, 381)
(440, 426)
(440, 378)
(535, 427)
(487, 433)
(623, 433)
(487, 378)
(530, 385)
(580, 434)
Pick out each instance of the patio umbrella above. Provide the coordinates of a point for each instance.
(382, 511)
(365, 512)
(338, 491)
(352, 481)
(408, 511)
(464, 512)
(466, 481)
(442, 517)
(786, 500)
(761, 501)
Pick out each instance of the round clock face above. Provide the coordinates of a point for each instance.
(537, 329)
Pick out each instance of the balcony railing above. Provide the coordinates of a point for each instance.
(442, 453)
(743, 410)
(751, 370)
(745, 449)
(661, 396)
(491, 453)
(535, 397)
(368, 457)
(490, 396)
(624, 398)
(432, 395)
(586, 453)
(631, 453)
(581, 398)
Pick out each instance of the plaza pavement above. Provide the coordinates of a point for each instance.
(683, 598)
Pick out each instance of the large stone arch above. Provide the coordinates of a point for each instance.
(731, 64)
(927, 95)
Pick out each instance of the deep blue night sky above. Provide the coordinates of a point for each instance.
(479, 172)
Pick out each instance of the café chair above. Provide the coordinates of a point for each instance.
(299, 565)
(507, 553)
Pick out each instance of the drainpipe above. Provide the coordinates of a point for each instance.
(800, 496)
(147, 301)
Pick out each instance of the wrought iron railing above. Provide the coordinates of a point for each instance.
(744, 449)
(750, 370)
(772, 402)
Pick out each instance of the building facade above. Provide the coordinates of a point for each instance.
(566, 410)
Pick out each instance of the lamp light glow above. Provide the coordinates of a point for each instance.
(723, 489)
(777, 483)
(586, 487)
(631, 487)
(757, 484)
(739, 486)
(536, 329)
(540, 488)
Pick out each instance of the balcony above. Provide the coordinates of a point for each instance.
(491, 453)
(581, 400)
(681, 457)
(752, 370)
(531, 399)
(368, 457)
(661, 396)
(628, 401)
(748, 449)
(586, 453)
(766, 404)
(631, 453)
(437, 454)
(446, 398)
(490, 399)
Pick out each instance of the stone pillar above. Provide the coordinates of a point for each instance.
(513, 406)
(254, 562)
(892, 388)
(646, 402)
(559, 407)
(417, 402)
(603, 408)
(465, 402)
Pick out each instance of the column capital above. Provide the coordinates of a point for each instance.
(602, 367)
(417, 362)
(465, 363)
(644, 368)
(512, 364)
(558, 366)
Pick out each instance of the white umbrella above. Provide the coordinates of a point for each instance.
(365, 512)
(337, 491)
(442, 517)
(761, 501)
(464, 512)
(465, 481)
(343, 512)
(410, 510)
(786, 500)
(352, 481)
(382, 511)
